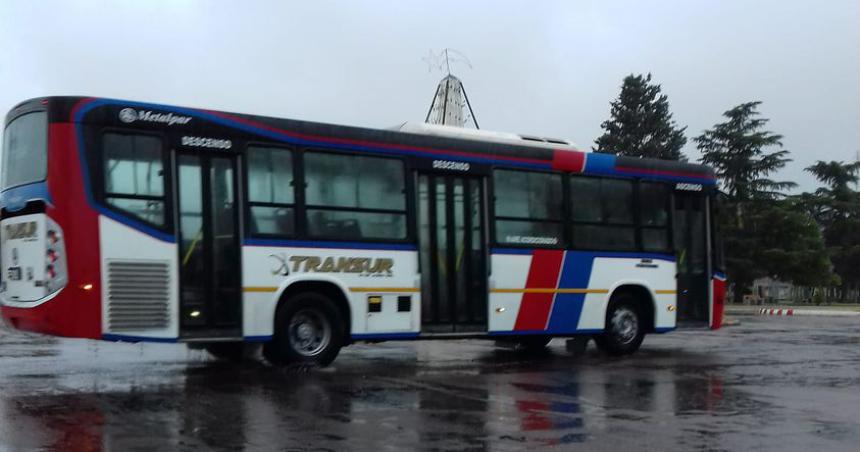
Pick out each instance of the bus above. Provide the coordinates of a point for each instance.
(131, 221)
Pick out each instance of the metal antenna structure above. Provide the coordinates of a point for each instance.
(450, 105)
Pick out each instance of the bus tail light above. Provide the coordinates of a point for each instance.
(55, 258)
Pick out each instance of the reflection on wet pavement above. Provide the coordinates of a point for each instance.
(785, 384)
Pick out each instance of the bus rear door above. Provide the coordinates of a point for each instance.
(690, 231)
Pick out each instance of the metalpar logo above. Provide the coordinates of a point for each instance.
(130, 115)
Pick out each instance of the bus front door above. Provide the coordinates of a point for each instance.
(452, 238)
(209, 261)
(690, 231)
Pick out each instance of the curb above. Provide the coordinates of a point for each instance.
(794, 312)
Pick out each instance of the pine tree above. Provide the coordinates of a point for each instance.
(838, 213)
(641, 124)
(764, 235)
(736, 149)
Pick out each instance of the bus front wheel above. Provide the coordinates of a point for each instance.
(624, 329)
(308, 330)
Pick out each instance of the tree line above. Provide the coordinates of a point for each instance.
(810, 239)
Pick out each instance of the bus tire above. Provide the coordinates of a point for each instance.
(308, 330)
(625, 326)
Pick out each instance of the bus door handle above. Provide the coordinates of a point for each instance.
(647, 263)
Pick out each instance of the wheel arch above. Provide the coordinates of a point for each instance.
(644, 297)
(333, 290)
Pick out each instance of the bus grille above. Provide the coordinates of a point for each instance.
(138, 295)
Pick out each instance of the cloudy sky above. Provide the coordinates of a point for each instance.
(548, 67)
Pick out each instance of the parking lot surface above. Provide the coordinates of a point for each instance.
(766, 384)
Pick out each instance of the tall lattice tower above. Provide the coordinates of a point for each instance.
(450, 104)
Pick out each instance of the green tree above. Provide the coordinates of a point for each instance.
(641, 124)
(837, 198)
(837, 209)
(737, 150)
(764, 234)
(775, 239)
(789, 245)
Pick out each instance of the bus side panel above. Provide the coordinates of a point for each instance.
(390, 274)
(609, 273)
(75, 311)
(510, 272)
(567, 292)
(134, 254)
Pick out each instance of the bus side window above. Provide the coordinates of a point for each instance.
(602, 213)
(528, 207)
(271, 191)
(654, 216)
(134, 175)
(355, 197)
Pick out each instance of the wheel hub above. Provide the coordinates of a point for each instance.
(310, 332)
(625, 325)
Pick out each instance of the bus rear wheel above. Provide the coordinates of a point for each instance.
(308, 330)
(624, 329)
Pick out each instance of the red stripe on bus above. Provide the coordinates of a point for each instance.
(573, 161)
(543, 273)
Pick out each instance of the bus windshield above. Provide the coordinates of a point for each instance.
(25, 150)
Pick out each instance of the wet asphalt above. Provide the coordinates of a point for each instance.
(767, 384)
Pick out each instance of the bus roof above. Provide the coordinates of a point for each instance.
(429, 141)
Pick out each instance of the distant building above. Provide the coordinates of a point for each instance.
(771, 290)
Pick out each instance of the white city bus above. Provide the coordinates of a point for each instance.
(127, 221)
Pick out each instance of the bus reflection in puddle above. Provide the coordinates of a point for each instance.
(224, 407)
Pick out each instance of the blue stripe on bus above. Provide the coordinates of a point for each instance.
(329, 244)
(567, 307)
(384, 336)
(134, 339)
(674, 177)
(258, 338)
(541, 332)
(596, 163)
(16, 198)
(664, 330)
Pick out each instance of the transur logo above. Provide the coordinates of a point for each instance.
(129, 115)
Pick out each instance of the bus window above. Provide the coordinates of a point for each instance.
(25, 149)
(602, 213)
(134, 175)
(355, 197)
(528, 208)
(270, 191)
(654, 216)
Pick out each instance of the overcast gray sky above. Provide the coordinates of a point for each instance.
(548, 67)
